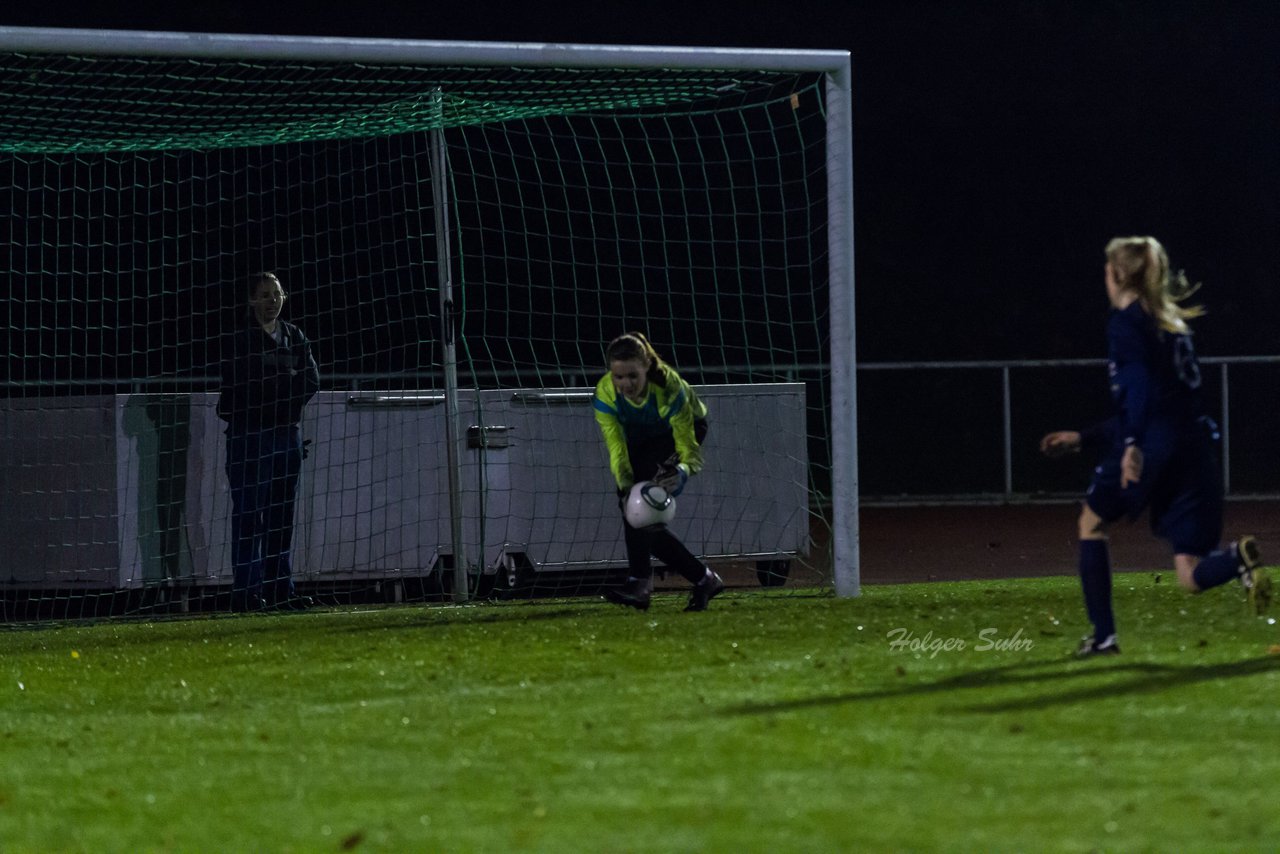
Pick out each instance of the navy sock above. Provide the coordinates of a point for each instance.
(1218, 568)
(1095, 581)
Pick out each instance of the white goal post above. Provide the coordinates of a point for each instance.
(696, 69)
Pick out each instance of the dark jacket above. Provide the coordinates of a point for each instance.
(265, 384)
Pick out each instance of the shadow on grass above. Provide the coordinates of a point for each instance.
(494, 616)
(668, 603)
(1152, 679)
(1129, 678)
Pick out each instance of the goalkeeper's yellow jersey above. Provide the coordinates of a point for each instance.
(668, 408)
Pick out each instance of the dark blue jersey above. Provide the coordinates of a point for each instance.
(265, 382)
(1154, 375)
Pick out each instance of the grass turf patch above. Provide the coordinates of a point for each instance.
(777, 720)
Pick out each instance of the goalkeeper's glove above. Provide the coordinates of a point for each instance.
(672, 477)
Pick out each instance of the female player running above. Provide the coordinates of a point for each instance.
(1159, 447)
(653, 425)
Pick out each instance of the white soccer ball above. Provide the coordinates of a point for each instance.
(649, 506)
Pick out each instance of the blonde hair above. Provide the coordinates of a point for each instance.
(1140, 264)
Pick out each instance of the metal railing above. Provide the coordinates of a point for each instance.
(996, 396)
(1218, 401)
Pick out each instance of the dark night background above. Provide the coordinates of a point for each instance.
(997, 145)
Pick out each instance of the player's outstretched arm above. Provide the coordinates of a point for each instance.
(1131, 466)
(1060, 443)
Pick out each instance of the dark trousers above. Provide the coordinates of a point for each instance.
(263, 469)
(663, 545)
(659, 543)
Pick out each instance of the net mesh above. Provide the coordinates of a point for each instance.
(88, 103)
(582, 203)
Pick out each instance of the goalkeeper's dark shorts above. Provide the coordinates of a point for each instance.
(1181, 489)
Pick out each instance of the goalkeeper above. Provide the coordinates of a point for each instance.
(653, 425)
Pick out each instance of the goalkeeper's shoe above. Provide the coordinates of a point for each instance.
(1091, 646)
(634, 594)
(711, 586)
(1254, 579)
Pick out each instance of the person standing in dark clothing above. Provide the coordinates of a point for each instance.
(268, 374)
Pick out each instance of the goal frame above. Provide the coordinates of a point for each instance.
(834, 65)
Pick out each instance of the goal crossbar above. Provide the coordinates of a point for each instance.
(330, 49)
(833, 64)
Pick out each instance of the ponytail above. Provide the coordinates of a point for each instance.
(1141, 265)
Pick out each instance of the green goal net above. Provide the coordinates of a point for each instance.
(460, 231)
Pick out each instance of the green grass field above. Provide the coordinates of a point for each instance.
(776, 721)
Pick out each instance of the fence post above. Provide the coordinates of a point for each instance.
(1225, 430)
(1008, 433)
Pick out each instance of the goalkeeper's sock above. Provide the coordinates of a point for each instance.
(1219, 567)
(1095, 581)
(676, 556)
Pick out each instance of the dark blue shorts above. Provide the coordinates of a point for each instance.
(1181, 488)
